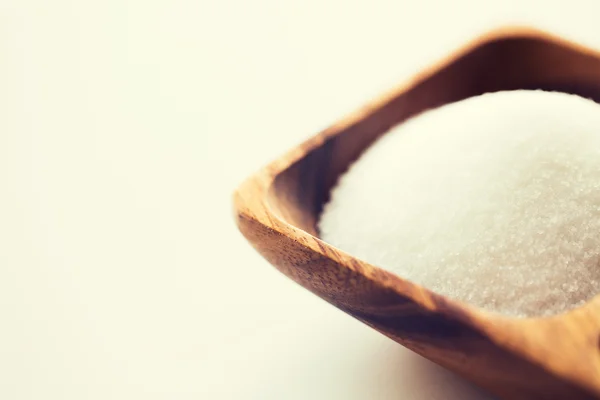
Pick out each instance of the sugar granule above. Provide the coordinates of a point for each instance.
(493, 200)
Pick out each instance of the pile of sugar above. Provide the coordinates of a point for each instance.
(494, 200)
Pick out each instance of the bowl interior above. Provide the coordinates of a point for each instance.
(505, 62)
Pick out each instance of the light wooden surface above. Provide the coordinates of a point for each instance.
(277, 210)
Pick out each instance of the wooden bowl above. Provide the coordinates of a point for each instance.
(278, 208)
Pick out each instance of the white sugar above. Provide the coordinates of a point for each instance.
(494, 200)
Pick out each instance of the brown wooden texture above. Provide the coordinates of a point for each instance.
(277, 210)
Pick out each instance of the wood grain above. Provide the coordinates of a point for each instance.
(278, 208)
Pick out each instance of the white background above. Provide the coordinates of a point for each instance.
(124, 128)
